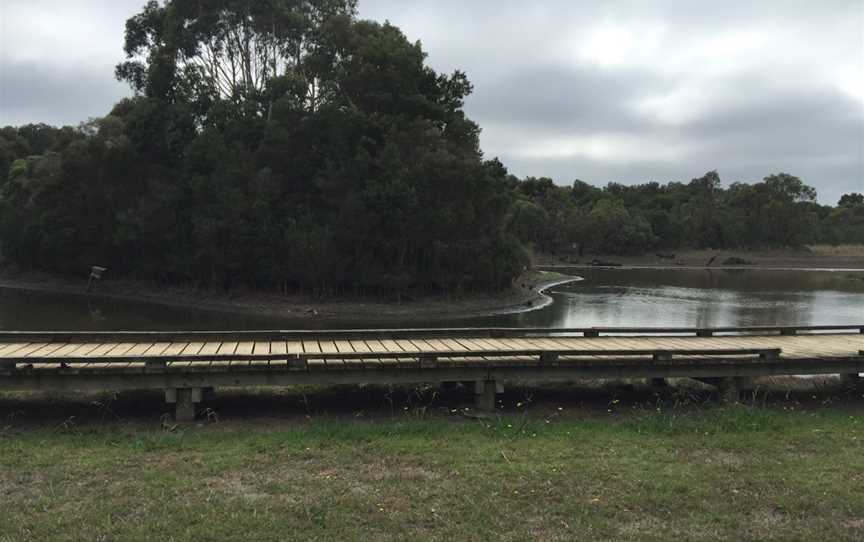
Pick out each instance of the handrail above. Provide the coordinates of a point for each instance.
(492, 332)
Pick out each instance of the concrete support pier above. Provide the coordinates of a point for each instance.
(185, 401)
(484, 394)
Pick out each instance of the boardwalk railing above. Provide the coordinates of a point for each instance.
(405, 333)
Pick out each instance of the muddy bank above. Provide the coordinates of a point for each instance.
(815, 258)
(526, 294)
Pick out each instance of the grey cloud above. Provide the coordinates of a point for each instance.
(30, 93)
(557, 100)
(773, 112)
(798, 127)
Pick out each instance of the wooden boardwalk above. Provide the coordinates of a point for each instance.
(182, 363)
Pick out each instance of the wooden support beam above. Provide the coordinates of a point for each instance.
(660, 382)
(299, 361)
(428, 361)
(138, 379)
(548, 358)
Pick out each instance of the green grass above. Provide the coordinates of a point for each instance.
(779, 471)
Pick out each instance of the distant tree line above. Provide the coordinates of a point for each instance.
(287, 145)
(779, 212)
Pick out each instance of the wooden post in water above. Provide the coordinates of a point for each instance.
(95, 274)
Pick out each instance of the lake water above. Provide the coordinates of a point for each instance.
(616, 297)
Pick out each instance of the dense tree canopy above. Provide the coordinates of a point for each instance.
(279, 144)
(781, 211)
(284, 144)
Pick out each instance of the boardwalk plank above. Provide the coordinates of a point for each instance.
(157, 349)
(192, 349)
(138, 349)
(65, 350)
(84, 349)
(120, 349)
(361, 346)
(227, 348)
(9, 349)
(37, 349)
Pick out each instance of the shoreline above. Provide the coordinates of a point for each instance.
(668, 267)
(814, 259)
(527, 294)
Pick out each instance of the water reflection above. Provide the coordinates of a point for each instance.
(696, 298)
(643, 297)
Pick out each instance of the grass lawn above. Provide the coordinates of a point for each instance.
(619, 465)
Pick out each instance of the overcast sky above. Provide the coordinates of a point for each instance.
(614, 90)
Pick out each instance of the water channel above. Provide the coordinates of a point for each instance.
(607, 297)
